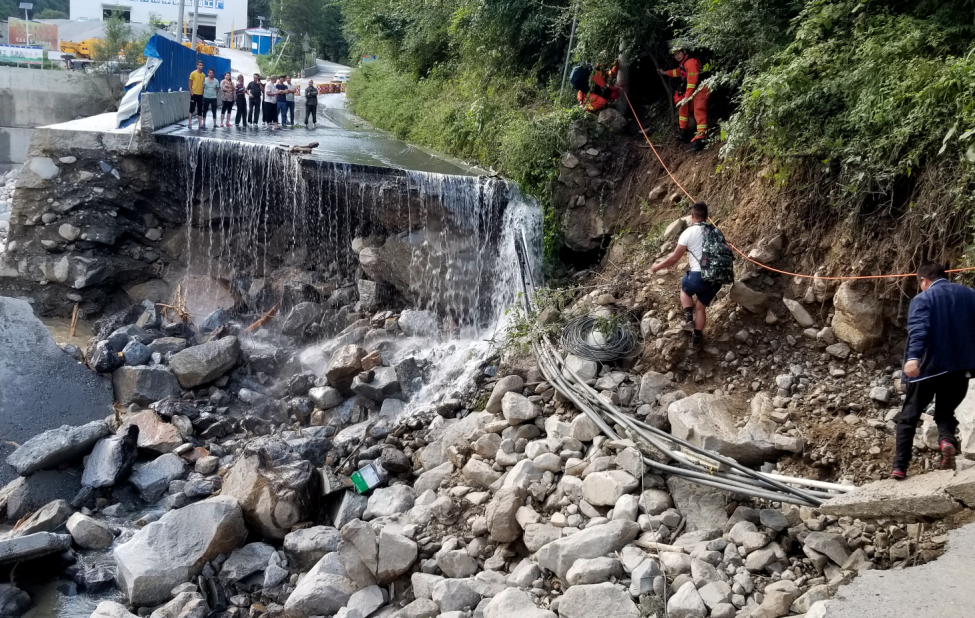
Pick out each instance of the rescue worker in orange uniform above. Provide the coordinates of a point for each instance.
(600, 92)
(693, 95)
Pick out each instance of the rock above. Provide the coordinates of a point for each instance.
(703, 507)
(779, 597)
(301, 317)
(517, 408)
(799, 312)
(419, 323)
(48, 518)
(815, 594)
(655, 501)
(323, 590)
(839, 350)
(751, 300)
(345, 365)
(652, 385)
(760, 559)
(395, 461)
(834, 546)
(612, 120)
(175, 548)
(538, 535)
(686, 603)
(604, 599)
(384, 384)
(502, 525)
(56, 446)
(918, 496)
(244, 561)
(583, 428)
(605, 488)
(14, 602)
(111, 609)
(206, 362)
(858, 319)
(28, 547)
(364, 602)
(43, 167)
(386, 501)
(325, 397)
(156, 436)
(593, 542)
(513, 602)
(715, 593)
(593, 571)
(143, 385)
(880, 394)
(457, 563)
(585, 369)
(455, 595)
(507, 384)
(88, 533)
(111, 460)
(273, 496)
(705, 420)
(480, 473)
(307, 546)
(136, 353)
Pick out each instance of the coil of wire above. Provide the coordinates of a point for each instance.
(599, 339)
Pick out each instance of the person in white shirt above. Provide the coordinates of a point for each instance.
(695, 293)
(270, 102)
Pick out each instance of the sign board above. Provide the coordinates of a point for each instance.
(21, 55)
(42, 35)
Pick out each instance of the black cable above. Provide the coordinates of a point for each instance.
(599, 339)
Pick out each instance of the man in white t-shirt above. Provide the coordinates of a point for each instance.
(695, 293)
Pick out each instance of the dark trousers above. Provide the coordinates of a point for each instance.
(947, 391)
(254, 115)
(291, 112)
(270, 112)
(311, 110)
(241, 111)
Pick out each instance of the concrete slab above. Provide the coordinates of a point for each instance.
(962, 487)
(919, 496)
(934, 590)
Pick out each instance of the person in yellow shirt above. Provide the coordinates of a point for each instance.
(196, 95)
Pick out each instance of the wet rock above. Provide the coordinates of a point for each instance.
(301, 317)
(384, 384)
(111, 460)
(345, 365)
(593, 542)
(273, 497)
(56, 446)
(307, 546)
(111, 609)
(323, 590)
(28, 547)
(206, 362)
(156, 437)
(246, 560)
(513, 602)
(325, 397)
(395, 461)
(419, 323)
(175, 548)
(14, 602)
(143, 385)
(167, 345)
(507, 384)
(25, 495)
(89, 533)
(858, 319)
(136, 353)
(153, 478)
(48, 518)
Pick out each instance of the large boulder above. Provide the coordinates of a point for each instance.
(152, 479)
(507, 384)
(502, 524)
(14, 602)
(56, 446)
(513, 602)
(143, 385)
(344, 366)
(156, 436)
(111, 460)
(28, 547)
(859, 316)
(752, 300)
(605, 488)
(89, 533)
(48, 519)
(384, 384)
(323, 591)
(42, 387)
(558, 556)
(206, 362)
(273, 495)
(705, 420)
(174, 549)
(604, 599)
(307, 546)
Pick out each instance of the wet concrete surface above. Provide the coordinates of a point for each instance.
(41, 387)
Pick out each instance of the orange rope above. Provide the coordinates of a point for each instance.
(739, 251)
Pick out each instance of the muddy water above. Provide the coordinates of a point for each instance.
(60, 329)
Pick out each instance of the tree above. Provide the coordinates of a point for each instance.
(317, 21)
(51, 14)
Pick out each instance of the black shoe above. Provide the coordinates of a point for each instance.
(683, 136)
(697, 339)
(688, 325)
(697, 145)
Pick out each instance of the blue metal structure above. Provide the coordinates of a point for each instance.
(177, 64)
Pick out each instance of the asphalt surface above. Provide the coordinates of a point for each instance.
(41, 387)
(935, 590)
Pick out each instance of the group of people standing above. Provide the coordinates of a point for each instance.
(271, 103)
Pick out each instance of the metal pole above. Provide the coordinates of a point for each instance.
(568, 52)
(26, 27)
(179, 22)
(196, 15)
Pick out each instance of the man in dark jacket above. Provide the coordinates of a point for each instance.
(938, 360)
(255, 90)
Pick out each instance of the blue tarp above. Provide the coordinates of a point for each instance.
(177, 64)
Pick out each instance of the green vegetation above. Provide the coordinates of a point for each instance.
(120, 45)
(51, 14)
(10, 8)
(872, 99)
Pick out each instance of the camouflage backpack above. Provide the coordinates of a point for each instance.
(717, 260)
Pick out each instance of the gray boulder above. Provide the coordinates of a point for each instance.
(687, 603)
(517, 408)
(246, 560)
(152, 479)
(14, 602)
(507, 384)
(606, 487)
(111, 460)
(502, 524)
(325, 397)
(56, 446)
(48, 518)
(143, 385)
(206, 362)
(89, 533)
(26, 494)
(175, 548)
(603, 599)
(344, 366)
(43, 387)
(384, 384)
(386, 501)
(301, 317)
(322, 591)
(558, 556)
(307, 546)
(396, 555)
(23, 548)
(514, 602)
(705, 420)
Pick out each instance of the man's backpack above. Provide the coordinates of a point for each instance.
(717, 261)
(579, 78)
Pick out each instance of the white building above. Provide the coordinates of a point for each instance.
(215, 15)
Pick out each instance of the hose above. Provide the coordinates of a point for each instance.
(598, 339)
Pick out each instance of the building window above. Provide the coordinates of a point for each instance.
(121, 11)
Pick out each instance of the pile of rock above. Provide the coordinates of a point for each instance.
(7, 182)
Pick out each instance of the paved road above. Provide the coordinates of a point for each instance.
(241, 61)
(327, 70)
(935, 590)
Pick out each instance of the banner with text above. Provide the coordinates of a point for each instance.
(20, 32)
(21, 55)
